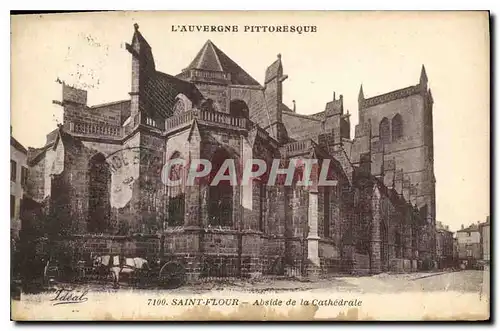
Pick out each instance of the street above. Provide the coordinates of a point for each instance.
(460, 281)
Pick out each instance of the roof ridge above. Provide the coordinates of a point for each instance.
(212, 58)
(217, 53)
(111, 103)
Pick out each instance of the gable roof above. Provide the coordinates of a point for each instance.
(471, 228)
(211, 58)
(122, 105)
(17, 145)
(53, 139)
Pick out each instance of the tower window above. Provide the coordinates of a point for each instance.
(397, 127)
(384, 131)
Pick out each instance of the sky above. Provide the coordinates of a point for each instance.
(383, 51)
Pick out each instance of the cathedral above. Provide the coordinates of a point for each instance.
(96, 185)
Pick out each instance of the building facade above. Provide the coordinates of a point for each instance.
(484, 229)
(97, 181)
(18, 181)
(455, 251)
(444, 246)
(469, 245)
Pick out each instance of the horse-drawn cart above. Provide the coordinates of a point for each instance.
(152, 273)
(76, 260)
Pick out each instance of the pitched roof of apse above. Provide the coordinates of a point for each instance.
(211, 58)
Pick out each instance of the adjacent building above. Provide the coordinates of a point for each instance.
(484, 230)
(444, 246)
(97, 179)
(469, 245)
(455, 251)
(18, 181)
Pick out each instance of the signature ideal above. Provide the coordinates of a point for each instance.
(69, 296)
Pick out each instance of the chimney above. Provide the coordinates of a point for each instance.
(462, 227)
(294, 106)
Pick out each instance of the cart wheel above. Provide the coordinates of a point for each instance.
(172, 275)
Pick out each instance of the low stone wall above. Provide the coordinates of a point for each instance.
(361, 264)
(82, 246)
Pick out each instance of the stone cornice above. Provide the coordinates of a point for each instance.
(390, 96)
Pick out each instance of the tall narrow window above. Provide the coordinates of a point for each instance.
(99, 193)
(24, 176)
(12, 205)
(398, 244)
(220, 195)
(397, 127)
(13, 170)
(176, 195)
(384, 131)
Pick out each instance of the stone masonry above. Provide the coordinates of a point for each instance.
(97, 181)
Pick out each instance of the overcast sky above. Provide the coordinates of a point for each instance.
(383, 51)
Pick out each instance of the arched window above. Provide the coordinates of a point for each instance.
(209, 105)
(182, 104)
(398, 244)
(397, 127)
(384, 131)
(328, 193)
(220, 207)
(176, 195)
(99, 197)
(238, 108)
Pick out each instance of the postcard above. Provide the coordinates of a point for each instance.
(292, 166)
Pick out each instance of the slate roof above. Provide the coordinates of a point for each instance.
(37, 154)
(51, 136)
(17, 145)
(211, 58)
(123, 105)
(161, 89)
(471, 228)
